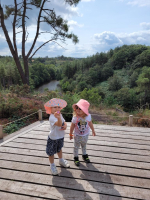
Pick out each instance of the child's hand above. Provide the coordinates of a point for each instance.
(64, 126)
(93, 133)
(71, 136)
(57, 114)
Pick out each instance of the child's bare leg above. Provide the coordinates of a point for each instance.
(52, 165)
(62, 162)
(51, 159)
(60, 154)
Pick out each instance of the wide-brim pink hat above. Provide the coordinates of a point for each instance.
(83, 105)
(54, 102)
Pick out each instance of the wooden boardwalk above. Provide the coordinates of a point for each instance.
(119, 168)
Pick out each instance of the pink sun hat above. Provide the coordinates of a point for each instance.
(54, 102)
(83, 105)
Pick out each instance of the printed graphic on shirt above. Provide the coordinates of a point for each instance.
(82, 126)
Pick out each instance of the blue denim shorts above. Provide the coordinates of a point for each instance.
(54, 146)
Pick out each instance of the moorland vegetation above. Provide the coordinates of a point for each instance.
(118, 78)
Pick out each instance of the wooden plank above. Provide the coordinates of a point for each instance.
(123, 128)
(79, 174)
(101, 136)
(99, 130)
(12, 196)
(76, 184)
(100, 142)
(122, 133)
(107, 127)
(118, 170)
(70, 150)
(46, 191)
(101, 167)
(107, 161)
(95, 147)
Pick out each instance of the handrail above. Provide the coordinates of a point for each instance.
(18, 119)
(131, 117)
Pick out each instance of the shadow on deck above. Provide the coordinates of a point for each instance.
(119, 168)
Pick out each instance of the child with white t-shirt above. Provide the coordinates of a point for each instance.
(55, 139)
(81, 125)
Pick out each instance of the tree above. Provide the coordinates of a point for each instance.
(143, 82)
(58, 29)
(115, 83)
(127, 98)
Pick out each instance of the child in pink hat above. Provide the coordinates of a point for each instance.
(55, 139)
(81, 125)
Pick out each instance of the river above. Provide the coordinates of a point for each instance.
(52, 85)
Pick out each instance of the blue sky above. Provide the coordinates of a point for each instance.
(100, 25)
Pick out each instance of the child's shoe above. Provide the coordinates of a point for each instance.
(64, 163)
(86, 158)
(54, 170)
(76, 161)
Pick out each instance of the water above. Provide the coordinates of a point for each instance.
(52, 85)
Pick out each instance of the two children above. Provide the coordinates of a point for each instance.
(81, 124)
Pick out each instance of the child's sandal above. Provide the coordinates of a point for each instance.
(76, 161)
(86, 158)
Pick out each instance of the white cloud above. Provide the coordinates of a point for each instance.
(109, 40)
(145, 26)
(141, 37)
(140, 3)
(74, 23)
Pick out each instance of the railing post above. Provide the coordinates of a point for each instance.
(40, 115)
(130, 120)
(1, 132)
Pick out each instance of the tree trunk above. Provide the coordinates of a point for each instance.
(25, 79)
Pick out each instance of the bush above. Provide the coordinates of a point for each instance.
(143, 121)
(91, 95)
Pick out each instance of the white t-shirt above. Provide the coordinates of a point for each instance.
(81, 125)
(55, 131)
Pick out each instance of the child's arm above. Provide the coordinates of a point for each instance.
(92, 128)
(64, 126)
(71, 130)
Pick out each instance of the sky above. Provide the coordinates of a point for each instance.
(100, 25)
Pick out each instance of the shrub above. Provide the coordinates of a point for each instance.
(142, 120)
(91, 95)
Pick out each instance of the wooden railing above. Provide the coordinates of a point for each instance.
(40, 117)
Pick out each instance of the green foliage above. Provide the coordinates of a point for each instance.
(143, 83)
(9, 106)
(65, 86)
(126, 54)
(133, 79)
(20, 90)
(109, 100)
(11, 128)
(115, 83)
(144, 79)
(70, 99)
(14, 126)
(41, 73)
(108, 72)
(8, 73)
(91, 95)
(127, 98)
(51, 95)
(142, 60)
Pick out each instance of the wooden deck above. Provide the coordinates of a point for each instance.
(119, 168)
